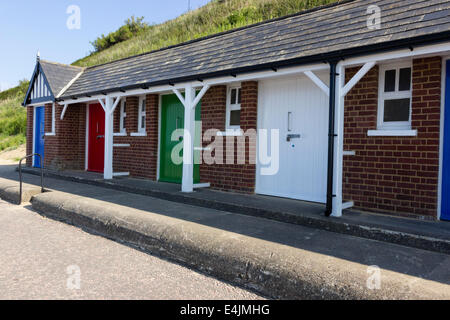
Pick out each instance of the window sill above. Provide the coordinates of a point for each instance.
(138, 134)
(50, 134)
(120, 134)
(230, 133)
(392, 133)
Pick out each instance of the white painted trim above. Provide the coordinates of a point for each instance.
(86, 149)
(441, 134)
(392, 133)
(142, 131)
(34, 136)
(138, 134)
(38, 104)
(63, 113)
(200, 95)
(179, 96)
(230, 133)
(202, 185)
(311, 75)
(52, 133)
(121, 145)
(348, 205)
(158, 161)
(349, 153)
(122, 118)
(121, 174)
(69, 84)
(440, 49)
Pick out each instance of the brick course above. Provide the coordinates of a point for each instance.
(140, 159)
(394, 174)
(66, 150)
(230, 177)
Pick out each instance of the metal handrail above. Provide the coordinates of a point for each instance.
(20, 173)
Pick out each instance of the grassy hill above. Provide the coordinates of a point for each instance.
(216, 16)
(13, 118)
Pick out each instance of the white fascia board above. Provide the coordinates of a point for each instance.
(38, 104)
(441, 49)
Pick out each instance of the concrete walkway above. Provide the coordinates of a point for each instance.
(276, 259)
(427, 235)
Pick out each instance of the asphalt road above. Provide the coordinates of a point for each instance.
(46, 259)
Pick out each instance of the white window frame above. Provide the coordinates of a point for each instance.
(53, 132)
(142, 127)
(401, 126)
(232, 107)
(122, 115)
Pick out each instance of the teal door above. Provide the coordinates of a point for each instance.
(172, 118)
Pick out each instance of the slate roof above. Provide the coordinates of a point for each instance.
(328, 32)
(59, 75)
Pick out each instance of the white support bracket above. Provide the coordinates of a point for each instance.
(348, 205)
(358, 76)
(311, 75)
(63, 113)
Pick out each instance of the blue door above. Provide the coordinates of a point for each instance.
(445, 207)
(39, 135)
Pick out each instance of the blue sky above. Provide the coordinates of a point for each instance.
(28, 26)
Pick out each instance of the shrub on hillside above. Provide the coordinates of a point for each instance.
(131, 28)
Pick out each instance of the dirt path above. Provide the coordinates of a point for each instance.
(13, 156)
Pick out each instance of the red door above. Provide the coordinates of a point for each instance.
(96, 148)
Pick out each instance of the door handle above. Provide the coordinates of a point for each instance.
(100, 137)
(292, 136)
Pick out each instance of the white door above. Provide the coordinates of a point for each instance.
(299, 109)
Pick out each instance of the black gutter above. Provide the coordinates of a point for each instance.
(331, 138)
(320, 58)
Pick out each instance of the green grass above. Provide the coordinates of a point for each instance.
(217, 16)
(13, 117)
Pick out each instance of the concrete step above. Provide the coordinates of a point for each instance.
(426, 235)
(10, 191)
(279, 260)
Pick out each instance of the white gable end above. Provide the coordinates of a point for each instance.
(40, 89)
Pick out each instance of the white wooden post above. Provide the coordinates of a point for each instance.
(342, 90)
(108, 170)
(189, 102)
(109, 106)
(339, 142)
(188, 141)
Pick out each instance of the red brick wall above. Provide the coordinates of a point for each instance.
(394, 174)
(66, 150)
(140, 159)
(227, 177)
(29, 147)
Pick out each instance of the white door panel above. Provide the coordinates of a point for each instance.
(303, 161)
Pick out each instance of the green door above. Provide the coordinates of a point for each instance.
(172, 118)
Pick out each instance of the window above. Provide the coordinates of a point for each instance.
(142, 115)
(395, 97)
(123, 115)
(233, 117)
